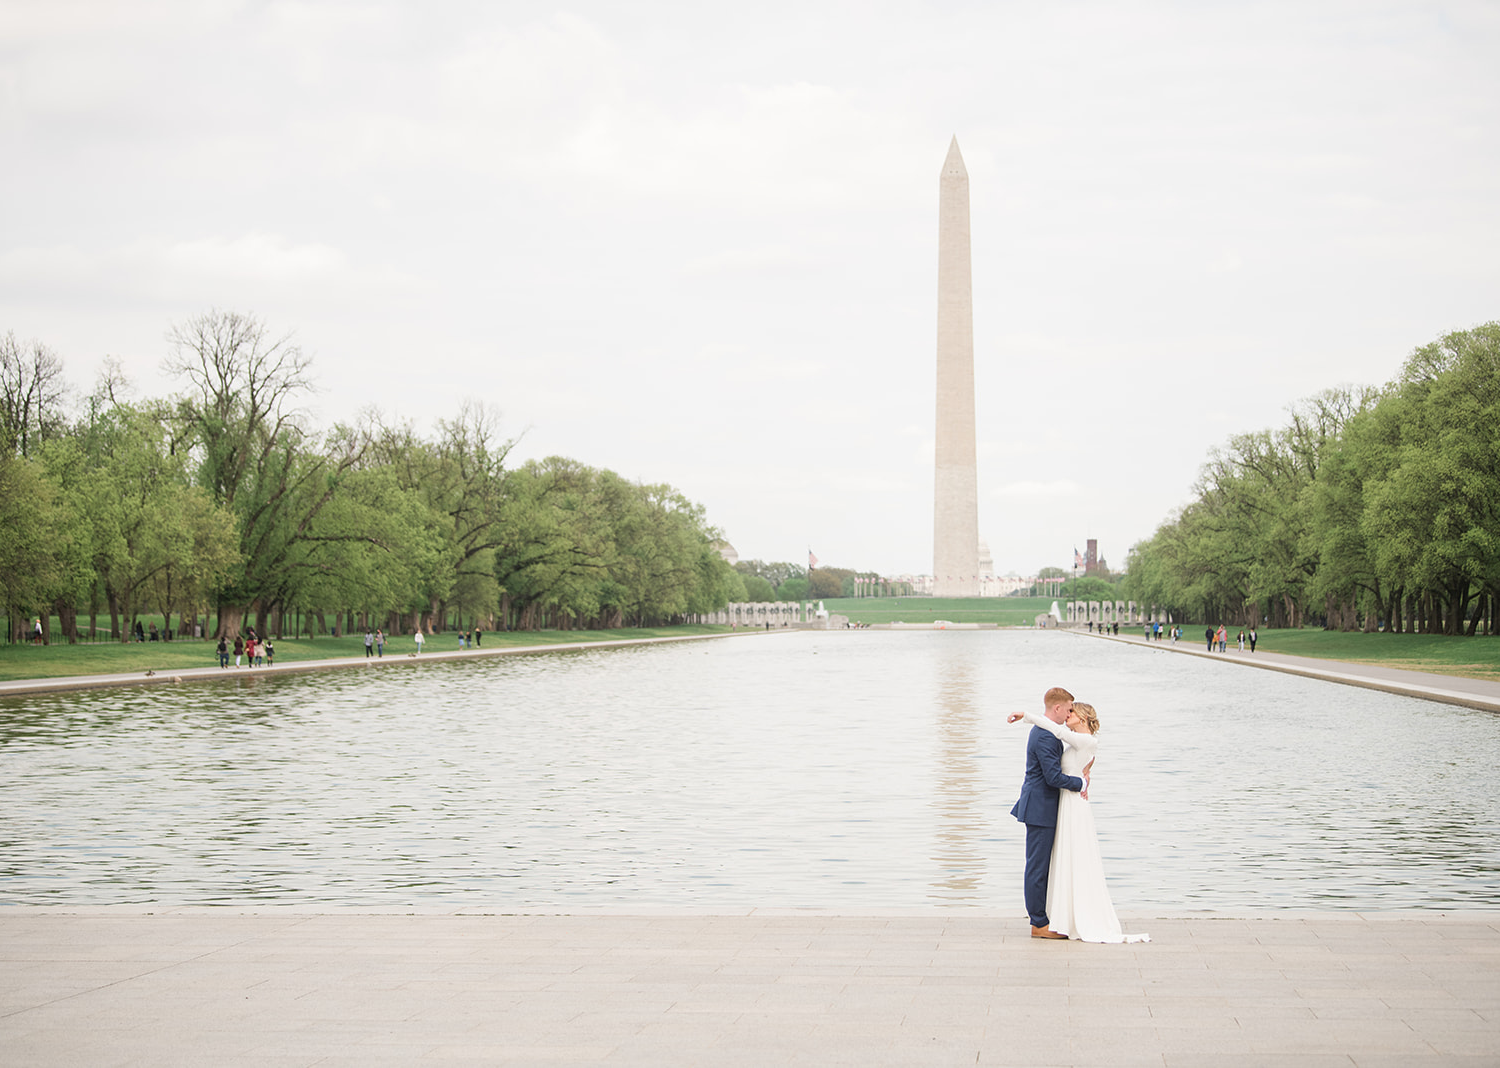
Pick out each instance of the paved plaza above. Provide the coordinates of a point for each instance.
(224, 988)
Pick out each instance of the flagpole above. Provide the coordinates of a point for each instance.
(1075, 582)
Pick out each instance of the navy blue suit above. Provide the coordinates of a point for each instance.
(1037, 808)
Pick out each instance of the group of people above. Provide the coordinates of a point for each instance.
(1219, 639)
(258, 652)
(1154, 632)
(375, 641)
(1066, 896)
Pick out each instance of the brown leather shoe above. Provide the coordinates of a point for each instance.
(1046, 932)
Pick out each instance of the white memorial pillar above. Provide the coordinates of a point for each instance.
(955, 538)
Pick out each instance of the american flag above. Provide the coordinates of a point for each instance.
(1078, 559)
(812, 561)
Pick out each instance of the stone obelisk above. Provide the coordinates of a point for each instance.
(955, 535)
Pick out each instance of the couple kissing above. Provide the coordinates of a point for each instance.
(1066, 896)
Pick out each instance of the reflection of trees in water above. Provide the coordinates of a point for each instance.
(960, 826)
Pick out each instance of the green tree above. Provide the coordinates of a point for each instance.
(758, 589)
(1432, 513)
(1346, 577)
(825, 583)
(253, 450)
(153, 538)
(556, 547)
(774, 573)
(32, 391)
(794, 589)
(462, 478)
(33, 520)
(1089, 588)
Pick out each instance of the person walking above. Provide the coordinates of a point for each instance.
(223, 652)
(250, 646)
(1252, 637)
(379, 643)
(270, 653)
(419, 640)
(369, 643)
(239, 649)
(1242, 640)
(1208, 634)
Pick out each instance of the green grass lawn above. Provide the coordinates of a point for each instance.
(60, 660)
(1006, 611)
(1475, 658)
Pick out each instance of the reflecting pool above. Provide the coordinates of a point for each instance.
(833, 770)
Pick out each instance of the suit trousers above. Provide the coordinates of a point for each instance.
(1038, 861)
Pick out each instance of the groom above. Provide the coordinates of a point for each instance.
(1037, 807)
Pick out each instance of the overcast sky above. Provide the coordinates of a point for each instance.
(697, 243)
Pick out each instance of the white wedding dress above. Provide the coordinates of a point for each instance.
(1078, 902)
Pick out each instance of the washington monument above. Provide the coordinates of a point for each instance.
(955, 516)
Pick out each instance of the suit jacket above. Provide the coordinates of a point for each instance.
(1044, 777)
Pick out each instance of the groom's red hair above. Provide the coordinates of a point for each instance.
(1056, 696)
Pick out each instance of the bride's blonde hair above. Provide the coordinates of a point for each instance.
(1088, 715)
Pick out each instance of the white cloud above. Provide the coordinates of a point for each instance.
(736, 260)
(1226, 262)
(202, 269)
(1063, 487)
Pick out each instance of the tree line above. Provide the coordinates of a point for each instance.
(781, 581)
(223, 502)
(1370, 509)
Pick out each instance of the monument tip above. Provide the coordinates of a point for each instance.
(953, 166)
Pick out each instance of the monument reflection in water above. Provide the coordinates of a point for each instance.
(964, 824)
(840, 770)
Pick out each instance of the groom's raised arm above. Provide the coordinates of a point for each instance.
(1057, 730)
(1049, 758)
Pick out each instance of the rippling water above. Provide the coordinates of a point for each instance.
(838, 770)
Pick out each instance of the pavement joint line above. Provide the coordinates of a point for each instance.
(161, 966)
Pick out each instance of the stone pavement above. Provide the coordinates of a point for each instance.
(1450, 689)
(230, 988)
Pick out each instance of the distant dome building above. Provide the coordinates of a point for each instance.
(727, 551)
(986, 561)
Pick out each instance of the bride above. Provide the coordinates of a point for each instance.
(1078, 902)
